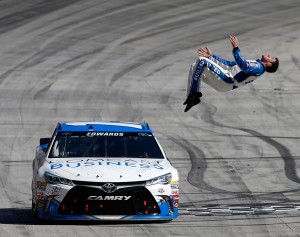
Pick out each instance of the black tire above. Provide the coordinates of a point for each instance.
(34, 210)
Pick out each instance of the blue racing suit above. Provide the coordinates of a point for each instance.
(224, 75)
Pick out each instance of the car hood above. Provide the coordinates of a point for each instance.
(108, 170)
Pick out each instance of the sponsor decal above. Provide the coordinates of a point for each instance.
(87, 161)
(73, 165)
(55, 190)
(41, 185)
(143, 134)
(174, 186)
(174, 182)
(56, 166)
(158, 166)
(108, 198)
(40, 195)
(39, 203)
(161, 190)
(105, 134)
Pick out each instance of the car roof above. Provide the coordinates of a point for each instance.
(110, 126)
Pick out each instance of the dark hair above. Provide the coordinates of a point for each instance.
(273, 67)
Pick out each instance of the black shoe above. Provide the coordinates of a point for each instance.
(192, 100)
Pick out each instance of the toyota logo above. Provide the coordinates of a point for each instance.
(109, 187)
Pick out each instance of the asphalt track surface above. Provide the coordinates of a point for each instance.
(237, 152)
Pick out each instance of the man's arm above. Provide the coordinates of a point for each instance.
(251, 67)
(206, 52)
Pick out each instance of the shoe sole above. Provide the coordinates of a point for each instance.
(189, 106)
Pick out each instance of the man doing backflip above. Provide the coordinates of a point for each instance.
(224, 75)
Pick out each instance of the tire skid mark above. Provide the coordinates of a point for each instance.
(208, 117)
(39, 57)
(196, 16)
(289, 162)
(126, 107)
(5, 175)
(273, 198)
(190, 13)
(16, 68)
(199, 166)
(295, 60)
(196, 178)
(66, 28)
(116, 77)
(34, 11)
(70, 25)
(253, 209)
(276, 110)
(129, 38)
(65, 66)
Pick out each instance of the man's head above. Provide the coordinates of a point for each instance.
(270, 63)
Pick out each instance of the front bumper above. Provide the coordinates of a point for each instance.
(89, 203)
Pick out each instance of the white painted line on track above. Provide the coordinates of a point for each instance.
(238, 210)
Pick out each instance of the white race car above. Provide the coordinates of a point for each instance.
(103, 171)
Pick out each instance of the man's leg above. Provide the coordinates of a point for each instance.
(193, 86)
(207, 68)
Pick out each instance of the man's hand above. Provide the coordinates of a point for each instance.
(234, 41)
(204, 52)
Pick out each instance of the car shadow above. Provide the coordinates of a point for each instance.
(24, 216)
(16, 216)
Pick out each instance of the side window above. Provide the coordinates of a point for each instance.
(55, 149)
(59, 147)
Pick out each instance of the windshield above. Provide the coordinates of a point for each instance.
(105, 144)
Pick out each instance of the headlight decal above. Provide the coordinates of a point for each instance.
(163, 179)
(53, 179)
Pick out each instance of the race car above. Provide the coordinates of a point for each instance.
(103, 171)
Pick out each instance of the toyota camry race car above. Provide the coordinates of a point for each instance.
(103, 171)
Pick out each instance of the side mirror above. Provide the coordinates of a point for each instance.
(44, 141)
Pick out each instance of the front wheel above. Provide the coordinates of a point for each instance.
(33, 209)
